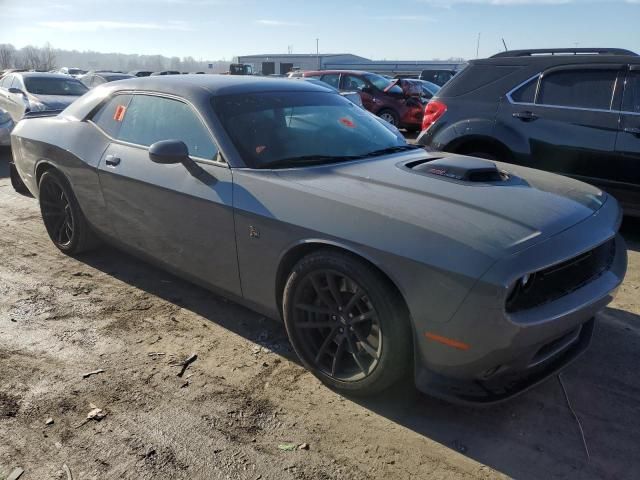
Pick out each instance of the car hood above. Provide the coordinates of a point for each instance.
(55, 102)
(497, 219)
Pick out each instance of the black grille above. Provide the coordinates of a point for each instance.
(559, 280)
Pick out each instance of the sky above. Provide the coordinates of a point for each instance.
(376, 29)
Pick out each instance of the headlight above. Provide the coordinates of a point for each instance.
(36, 106)
(4, 117)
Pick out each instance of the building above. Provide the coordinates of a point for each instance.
(284, 63)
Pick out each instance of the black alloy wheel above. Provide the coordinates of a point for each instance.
(56, 214)
(347, 323)
(337, 325)
(62, 216)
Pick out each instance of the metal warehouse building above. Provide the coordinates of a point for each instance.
(283, 63)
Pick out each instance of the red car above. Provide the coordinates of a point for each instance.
(396, 101)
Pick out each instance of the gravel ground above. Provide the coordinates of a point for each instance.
(246, 398)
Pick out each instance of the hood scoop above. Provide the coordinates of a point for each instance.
(462, 169)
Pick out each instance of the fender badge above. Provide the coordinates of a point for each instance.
(253, 232)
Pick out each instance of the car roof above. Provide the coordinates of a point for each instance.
(215, 84)
(43, 75)
(564, 59)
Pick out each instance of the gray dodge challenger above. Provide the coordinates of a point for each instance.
(384, 260)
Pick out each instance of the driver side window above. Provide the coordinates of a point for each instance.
(149, 119)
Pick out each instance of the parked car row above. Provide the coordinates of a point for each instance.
(570, 111)
(479, 278)
(398, 101)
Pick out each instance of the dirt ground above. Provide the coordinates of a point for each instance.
(246, 395)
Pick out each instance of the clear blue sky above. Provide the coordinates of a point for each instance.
(378, 29)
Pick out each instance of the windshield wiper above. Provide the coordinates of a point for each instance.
(320, 159)
(307, 160)
(389, 150)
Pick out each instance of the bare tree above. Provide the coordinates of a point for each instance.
(47, 58)
(7, 55)
(30, 57)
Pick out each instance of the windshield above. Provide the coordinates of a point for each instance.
(381, 83)
(54, 86)
(269, 128)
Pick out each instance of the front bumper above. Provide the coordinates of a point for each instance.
(504, 353)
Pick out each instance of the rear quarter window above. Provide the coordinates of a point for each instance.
(474, 77)
(109, 116)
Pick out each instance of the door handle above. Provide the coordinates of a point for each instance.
(632, 131)
(112, 160)
(525, 116)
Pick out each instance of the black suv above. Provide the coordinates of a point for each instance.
(571, 111)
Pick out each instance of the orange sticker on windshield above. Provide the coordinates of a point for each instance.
(118, 116)
(347, 122)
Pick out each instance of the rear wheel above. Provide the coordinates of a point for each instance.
(63, 219)
(346, 323)
(389, 116)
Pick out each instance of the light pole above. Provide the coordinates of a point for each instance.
(318, 52)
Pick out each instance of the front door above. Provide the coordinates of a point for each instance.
(568, 120)
(627, 186)
(179, 215)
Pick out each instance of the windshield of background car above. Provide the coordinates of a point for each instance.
(381, 83)
(54, 86)
(273, 126)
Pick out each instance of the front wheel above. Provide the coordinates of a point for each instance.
(389, 116)
(346, 323)
(63, 219)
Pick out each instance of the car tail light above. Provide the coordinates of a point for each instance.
(432, 112)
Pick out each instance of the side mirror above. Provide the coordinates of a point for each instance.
(367, 89)
(16, 91)
(168, 152)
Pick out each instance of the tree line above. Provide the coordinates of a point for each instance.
(47, 58)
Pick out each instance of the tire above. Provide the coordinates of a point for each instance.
(373, 323)
(16, 182)
(65, 223)
(389, 116)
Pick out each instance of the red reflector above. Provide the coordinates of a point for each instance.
(447, 341)
(432, 112)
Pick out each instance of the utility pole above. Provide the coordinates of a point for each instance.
(478, 45)
(318, 52)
